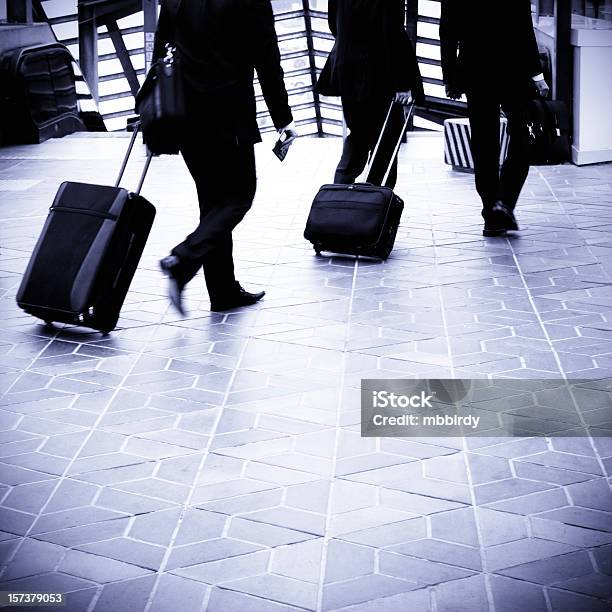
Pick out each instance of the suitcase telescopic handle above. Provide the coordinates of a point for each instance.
(407, 117)
(127, 157)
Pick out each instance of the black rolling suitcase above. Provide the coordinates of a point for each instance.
(363, 218)
(38, 98)
(87, 253)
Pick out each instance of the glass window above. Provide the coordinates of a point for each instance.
(589, 14)
(592, 14)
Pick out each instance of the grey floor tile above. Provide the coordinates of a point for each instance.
(32, 558)
(346, 561)
(364, 589)
(511, 595)
(566, 600)
(143, 555)
(97, 568)
(389, 534)
(173, 589)
(596, 585)
(222, 600)
(497, 527)
(465, 595)
(85, 534)
(526, 550)
(209, 550)
(467, 557)
(280, 589)
(129, 594)
(422, 571)
(227, 569)
(552, 569)
(301, 561)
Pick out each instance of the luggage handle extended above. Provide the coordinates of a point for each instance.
(127, 157)
(407, 117)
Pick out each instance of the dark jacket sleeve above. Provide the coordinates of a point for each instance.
(332, 16)
(534, 64)
(449, 40)
(268, 63)
(162, 33)
(404, 68)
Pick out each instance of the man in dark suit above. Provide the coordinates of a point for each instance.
(220, 43)
(372, 62)
(489, 52)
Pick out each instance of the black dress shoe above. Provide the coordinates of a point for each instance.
(235, 299)
(170, 267)
(499, 220)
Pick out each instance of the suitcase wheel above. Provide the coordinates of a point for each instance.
(384, 254)
(317, 248)
(48, 323)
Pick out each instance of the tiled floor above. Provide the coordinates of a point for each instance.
(215, 463)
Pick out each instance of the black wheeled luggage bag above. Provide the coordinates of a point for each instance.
(363, 218)
(87, 253)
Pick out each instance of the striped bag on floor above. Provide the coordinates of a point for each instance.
(457, 150)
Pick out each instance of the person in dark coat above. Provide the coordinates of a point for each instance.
(372, 62)
(220, 44)
(489, 52)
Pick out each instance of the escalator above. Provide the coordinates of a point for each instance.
(42, 92)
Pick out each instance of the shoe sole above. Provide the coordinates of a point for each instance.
(223, 308)
(173, 291)
(496, 233)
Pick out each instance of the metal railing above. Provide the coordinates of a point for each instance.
(304, 41)
(424, 24)
(299, 41)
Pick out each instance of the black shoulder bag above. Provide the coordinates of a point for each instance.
(548, 126)
(160, 102)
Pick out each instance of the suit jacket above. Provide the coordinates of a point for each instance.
(488, 41)
(372, 52)
(220, 44)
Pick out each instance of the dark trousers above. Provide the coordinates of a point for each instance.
(364, 119)
(224, 174)
(483, 111)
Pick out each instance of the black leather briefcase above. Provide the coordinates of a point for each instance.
(359, 219)
(87, 253)
(160, 102)
(548, 125)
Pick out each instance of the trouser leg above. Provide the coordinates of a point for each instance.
(356, 144)
(515, 169)
(483, 113)
(225, 178)
(364, 119)
(219, 268)
(388, 143)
